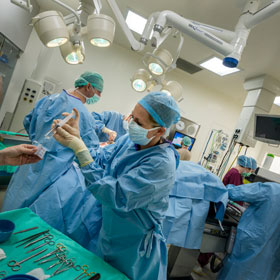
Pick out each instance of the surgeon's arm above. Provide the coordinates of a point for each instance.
(255, 192)
(136, 189)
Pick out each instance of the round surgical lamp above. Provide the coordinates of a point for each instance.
(51, 28)
(160, 61)
(174, 89)
(140, 79)
(73, 53)
(100, 30)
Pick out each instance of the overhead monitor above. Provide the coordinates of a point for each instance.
(267, 128)
(178, 137)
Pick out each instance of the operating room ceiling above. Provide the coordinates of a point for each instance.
(260, 56)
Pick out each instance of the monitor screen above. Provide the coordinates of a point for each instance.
(178, 137)
(267, 128)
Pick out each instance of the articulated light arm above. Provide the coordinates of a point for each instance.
(263, 14)
(149, 28)
(25, 4)
(186, 26)
(135, 45)
(223, 34)
(77, 25)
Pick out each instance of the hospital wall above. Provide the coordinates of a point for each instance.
(201, 104)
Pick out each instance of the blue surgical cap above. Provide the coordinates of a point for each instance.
(254, 164)
(163, 108)
(94, 79)
(187, 141)
(247, 162)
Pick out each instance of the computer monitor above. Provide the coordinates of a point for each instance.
(178, 137)
(267, 128)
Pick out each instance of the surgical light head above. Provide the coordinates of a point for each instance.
(51, 28)
(140, 80)
(101, 30)
(159, 61)
(174, 89)
(73, 53)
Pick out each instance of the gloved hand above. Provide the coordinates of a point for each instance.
(69, 136)
(111, 133)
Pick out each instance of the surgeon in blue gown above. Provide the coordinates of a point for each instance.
(54, 188)
(189, 201)
(133, 186)
(109, 122)
(256, 250)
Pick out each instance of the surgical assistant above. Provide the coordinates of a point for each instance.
(133, 186)
(189, 202)
(256, 251)
(113, 122)
(54, 188)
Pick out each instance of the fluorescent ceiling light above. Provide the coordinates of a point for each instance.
(215, 65)
(277, 100)
(135, 22)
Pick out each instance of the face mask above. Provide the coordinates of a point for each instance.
(138, 134)
(125, 125)
(93, 99)
(245, 174)
(89, 100)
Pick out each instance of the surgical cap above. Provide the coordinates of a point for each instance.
(246, 162)
(163, 108)
(187, 141)
(90, 77)
(254, 164)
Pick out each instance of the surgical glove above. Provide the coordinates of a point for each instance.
(76, 144)
(111, 133)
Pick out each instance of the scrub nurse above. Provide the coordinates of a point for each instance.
(133, 183)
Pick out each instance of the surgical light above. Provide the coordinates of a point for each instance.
(140, 79)
(101, 30)
(159, 61)
(215, 65)
(51, 28)
(174, 89)
(73, 53)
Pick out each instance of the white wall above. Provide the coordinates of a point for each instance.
(116, 64)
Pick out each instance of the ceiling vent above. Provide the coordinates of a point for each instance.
(187, 66)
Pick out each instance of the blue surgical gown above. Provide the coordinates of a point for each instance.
(256, 250)
(189, 202)
(110, 119)
(54, 188)
(133, 187)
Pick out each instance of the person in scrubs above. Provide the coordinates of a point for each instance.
(185, 153)
(54, 188)
(256, 250)
(110, 125)
(132, 182)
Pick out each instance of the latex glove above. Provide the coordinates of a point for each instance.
(111, 133)
(18, 155)
(69, 136)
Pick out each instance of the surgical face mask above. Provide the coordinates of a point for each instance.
(246, 174)
(89, 100)
(138, 134)
(125, 125)
(93, 99)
